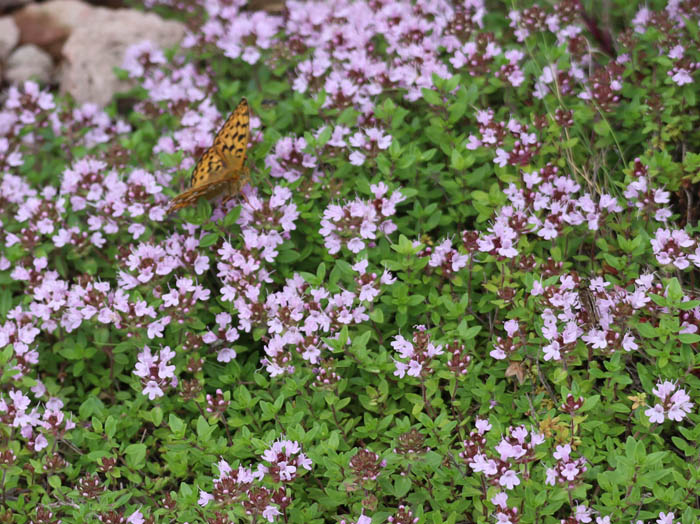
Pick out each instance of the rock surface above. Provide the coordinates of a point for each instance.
(9, 36)
(96, 46)
(29, 62)
(88, 43)
(48, 25)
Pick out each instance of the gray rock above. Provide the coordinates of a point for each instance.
(96, 46)
(28, 62)
(49, 24)
(9, 36)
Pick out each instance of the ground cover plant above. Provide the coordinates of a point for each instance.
(459, 287)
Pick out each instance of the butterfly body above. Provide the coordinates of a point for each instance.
(220, 170)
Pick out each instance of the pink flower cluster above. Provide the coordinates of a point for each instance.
(546, 204)
(265, 224)
(27, 106)
(446, 258)
(362, 519)
(108, 203)
(181, 301)
(419, 353)
(225, 335)
(514, 452)
(281, 464)
(299, 316)
(523, 142)
(284, 460)
(652, 202)
(503, 513)
(355, 223)
(566, 320)
(344, 61)
(156, 371)
(675, 247)
(674, 403)
(681, 72)
(567, 471)
(21, 331)
(147, 262)
(513, 449)
(367, 142)
(291, 161)
(34, 425)
(503, 347)
(237, 33)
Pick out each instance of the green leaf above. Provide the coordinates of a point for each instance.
(689, 338)
(110, 427)
(401, 486)
(470, 333)
(602, 128)
(177, 426)
(431, 97)
(204, 430)
(157, 416)
(5, 301)
(55, 482)
(135, 455)
(209, 240)
(232, 217)
(646, 330)
(674, 292)
(457, 162)
(377, 315)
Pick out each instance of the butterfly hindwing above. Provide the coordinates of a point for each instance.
(220, 169)
(190, 197)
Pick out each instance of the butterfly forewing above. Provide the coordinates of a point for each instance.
(231, 141)
(220, 170)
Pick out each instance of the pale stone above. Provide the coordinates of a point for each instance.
(49, 24)
(96, 46)
(9, 36)
(28, 62)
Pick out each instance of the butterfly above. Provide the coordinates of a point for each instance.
(588, 303)
(220, 169)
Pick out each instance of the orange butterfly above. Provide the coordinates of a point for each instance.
(221, 167)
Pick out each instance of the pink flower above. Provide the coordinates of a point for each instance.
(509, 479)
(155, 371)
(655, 414)
(665, 518)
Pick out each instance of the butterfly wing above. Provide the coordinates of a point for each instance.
(207, 175)
(209, 167)
(231, 141)
(221, 167)
(232, 144)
